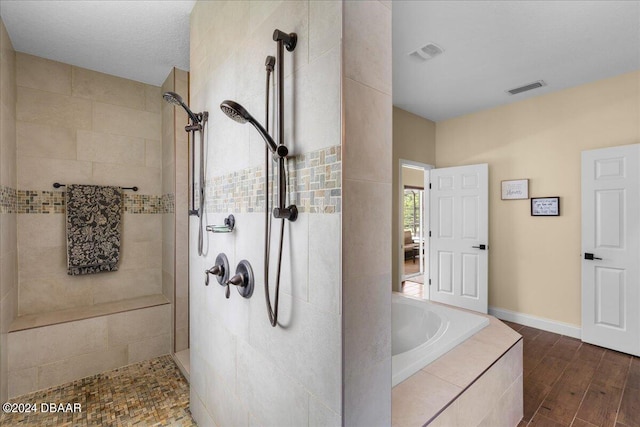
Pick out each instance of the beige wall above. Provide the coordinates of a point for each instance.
(412, 177)
(534, 267)
(79, 126)
(243, 371)
(414, 138)
(8, 240)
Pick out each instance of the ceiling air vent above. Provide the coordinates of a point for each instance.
(526, 87)
(427, 52)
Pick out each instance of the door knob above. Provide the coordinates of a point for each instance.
(481, 247)
(589, 256)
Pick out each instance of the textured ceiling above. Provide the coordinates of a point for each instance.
(135, 39)
(492, 46)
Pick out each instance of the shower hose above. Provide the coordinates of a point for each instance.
(272, 311)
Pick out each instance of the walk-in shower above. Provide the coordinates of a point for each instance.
(198, 122)
(276, 151)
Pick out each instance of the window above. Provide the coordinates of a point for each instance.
(412, 206)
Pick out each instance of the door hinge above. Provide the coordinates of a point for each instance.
(429, 282)
(429, 186)
(429, 233)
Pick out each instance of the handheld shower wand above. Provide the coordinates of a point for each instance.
(198, 120)
(238, 113)
(279, 151)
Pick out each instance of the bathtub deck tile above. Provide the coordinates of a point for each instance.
(420, 398)
(464, 363)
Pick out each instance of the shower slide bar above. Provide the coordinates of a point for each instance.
(58, 185)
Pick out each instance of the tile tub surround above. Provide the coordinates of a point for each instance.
(47, 356)
(478, 383)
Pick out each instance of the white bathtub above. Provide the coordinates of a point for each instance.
(422, 331)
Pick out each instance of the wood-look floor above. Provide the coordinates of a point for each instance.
(570, 383)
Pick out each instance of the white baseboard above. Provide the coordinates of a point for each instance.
(537, 322)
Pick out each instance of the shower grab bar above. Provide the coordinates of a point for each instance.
(58, 185)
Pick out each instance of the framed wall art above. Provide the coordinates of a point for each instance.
(515, 189)
(545, 206)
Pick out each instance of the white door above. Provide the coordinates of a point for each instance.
(611, 248)
(459, 215)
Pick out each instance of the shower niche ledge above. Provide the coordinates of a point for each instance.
(38, 320)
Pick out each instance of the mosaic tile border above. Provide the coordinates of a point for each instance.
(315, 185)
(8, 200)
(53, 202)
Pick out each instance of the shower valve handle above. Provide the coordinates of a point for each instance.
(216, 270)
(237, 280)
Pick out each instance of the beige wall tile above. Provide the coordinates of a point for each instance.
(367, 401)
(41, 230)
(302, 358)
(137, 325)
(39, 73)
(321, 416)
(7, 146)
(325, 26)
(153, 98)
(366, 206)
(109, 148)
(8, 273)
(367, 323)
(148, 180)
(360, 42)
(478, 399)
(8, 233)
(508, 411)
(35, 106)
(153, 154)
(456, 367)
(150, 347)
(81, 366)
(126, 121)
(182, 339)
(51, 142)
(124, 284)
(368, 147)
(50, 292)
(35, 173)
(35, 347)
(317, 88)
(266, 389)
(141, 228)
(23, 382)
(37, 261)
(417, 399)
(107, 88)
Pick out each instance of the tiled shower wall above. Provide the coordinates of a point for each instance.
(366, 217)
(8, 242)
(79, 126)
(243, 371)
(175, 188)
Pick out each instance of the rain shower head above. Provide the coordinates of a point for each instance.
(175, 99)
(237, 112)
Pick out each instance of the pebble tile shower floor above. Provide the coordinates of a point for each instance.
(149, 393)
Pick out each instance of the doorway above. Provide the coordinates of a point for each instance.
(413, 223)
